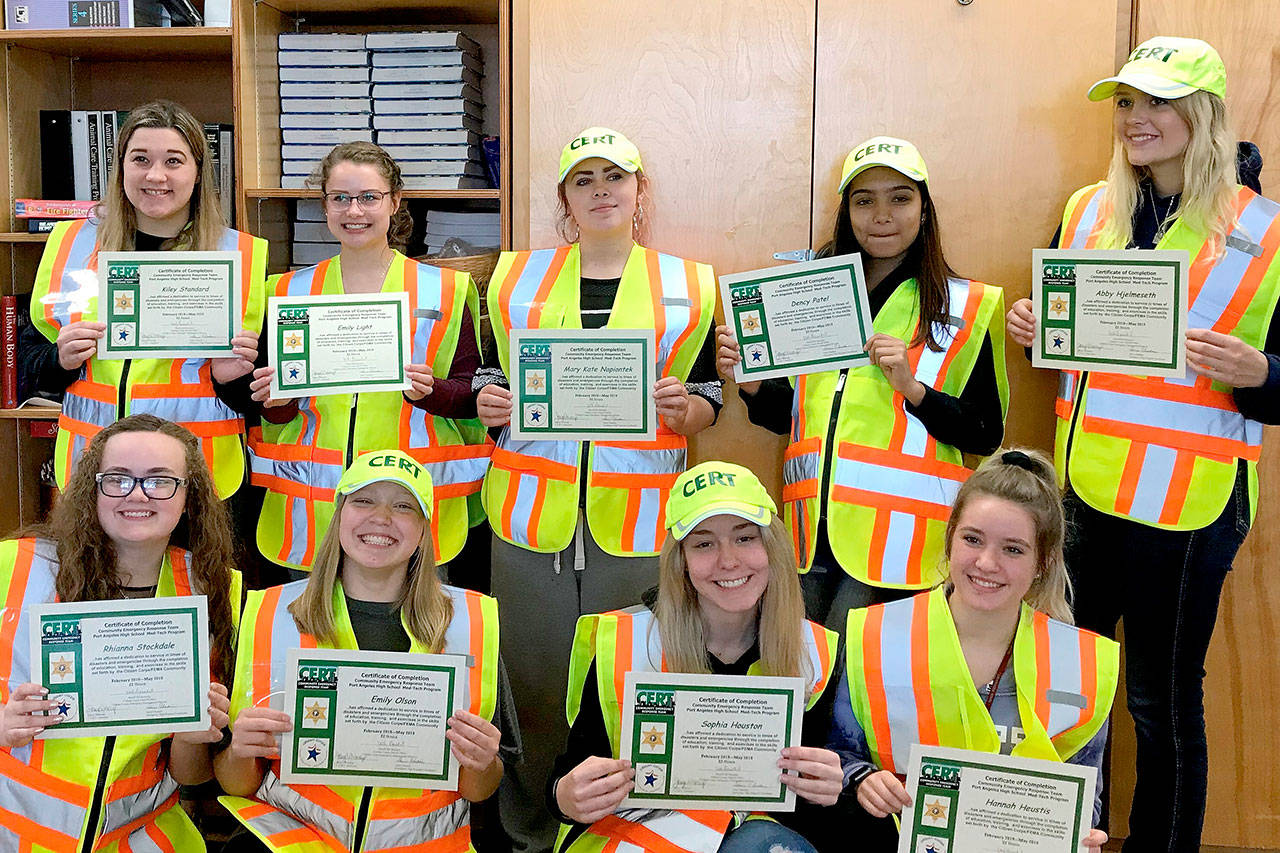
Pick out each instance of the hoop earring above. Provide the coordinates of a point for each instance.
(636, 219)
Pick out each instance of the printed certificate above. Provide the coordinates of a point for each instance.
(168, 304)
(130, 666)
(583, 384)
(371, 718)
(799, 318)
(1108, 311)
(979, 802)
(338, 344)
(710, 741)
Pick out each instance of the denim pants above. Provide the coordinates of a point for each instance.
(1165, 585)
(764, 836)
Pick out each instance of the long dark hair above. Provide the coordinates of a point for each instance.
(925, 254)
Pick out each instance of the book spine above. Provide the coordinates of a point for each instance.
(41, 225)
(108, 149)
(227, 168)
(95, 154)
(80, 154)
(56, 174)
(9, 368)
(33, 208)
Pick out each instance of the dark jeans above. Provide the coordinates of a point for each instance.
(1165, 585)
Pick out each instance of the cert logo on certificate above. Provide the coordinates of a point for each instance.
(122, 667)
(1112, 312)
(709, 741)
(168, 304)
(989, 803)
(372, 718)
(799, 318)
(338, 344)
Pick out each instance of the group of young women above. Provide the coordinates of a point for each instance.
(942, 599)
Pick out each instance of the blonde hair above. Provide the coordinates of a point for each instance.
(368, 154)
(427, 609)
(781, 622)
(1209, 177)
(119, 221)
(1027, 480)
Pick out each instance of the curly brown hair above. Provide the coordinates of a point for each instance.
(87, 557)
(366, 153)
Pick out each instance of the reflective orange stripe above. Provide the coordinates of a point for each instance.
(402, 807)
(256, 810)
(976, 292)
(916, 553)
(137, 823)
(650, 841)
(633, 481)
(824, 656)
(873, 673)
(26, 552)
(294, 489)
(455, 842)
(308, 556)
(1179, 484)
(159, 838)
(448, 283)
(295, 452)
(97, 391)
(262, 643)
(306, 835)
(879, 537)
(654, 271)
(181, 578)
(1211, 447)
(319, 276)
(1253, 274)
(892, 459)
(51, 838)
(59, 269)
(914, 506)
(549, 468)
(326, 798)
(519, 262)
(30, 777)
(621, 657)
(1156, 389)
(695, 312)
(147, 779)
(1129, 477)
(1068, 233)
(244, 245)
(1040, 624)
(476, 620)
(928, 720)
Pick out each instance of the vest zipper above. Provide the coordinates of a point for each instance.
(99, 792)
(362, 821)
(828, 446)
(1078, 397)
(351, 431)
(122, 394)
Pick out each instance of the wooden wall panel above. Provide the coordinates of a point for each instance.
(720, 105)
(1242, 690)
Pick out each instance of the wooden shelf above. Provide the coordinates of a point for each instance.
(137, 44)
(465, 195)
(435, 11)
(22, 237)
(31, 413)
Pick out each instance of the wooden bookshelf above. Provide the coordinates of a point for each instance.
(127, 43)
(444, 195)
(22, 237)
(30, 413)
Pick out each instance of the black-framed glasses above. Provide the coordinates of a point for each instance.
(365, 199)
(122, 485)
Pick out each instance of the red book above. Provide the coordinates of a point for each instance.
(43, 429)
(9, 362)
(25, 208)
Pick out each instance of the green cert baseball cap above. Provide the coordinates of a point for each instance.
(389, 466)
(1169, 68)
(898, 154)
(599, 142)
(716, 488)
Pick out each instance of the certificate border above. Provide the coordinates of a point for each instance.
(454, 665)
(108, 352)
(645, 337)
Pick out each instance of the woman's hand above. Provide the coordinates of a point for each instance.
(422, 378)
(882, 794)
(728, 356)
(260, 388)
(475, 740)
(594, 788)
(1226, 359)
(1093, 840)
(21, 721)
(245, 347)
(819, 779)
(1020, 323)
(493, 406)
(219, 711)
(890, 355)
(77, 342)
(254, 733)
(671, 399)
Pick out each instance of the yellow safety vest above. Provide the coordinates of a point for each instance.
(299, 463)
(909, 683)
(885, 484)
(1164, 452)
(531, 490)
(49, 788)
(178, 390)
(298, 818)
(629, 641)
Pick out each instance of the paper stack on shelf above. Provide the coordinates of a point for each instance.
(324, 98)
(481, 230)
(312, 242)
(427, 106)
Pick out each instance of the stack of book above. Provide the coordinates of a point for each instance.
(312, 241)
(324, 99)
(480, 231)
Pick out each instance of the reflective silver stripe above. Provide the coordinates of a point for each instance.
(1141, 410)
(802, 466)
(278, 795)
(677, 828)
(390, 833)
(607, 459)
(47, 811)
(273, 823)
(453, 471)
(87, 410)
(129, 808)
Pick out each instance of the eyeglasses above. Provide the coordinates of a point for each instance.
(122, 485)
(364, 199)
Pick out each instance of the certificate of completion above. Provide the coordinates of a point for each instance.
(801, 318)
(979, 802)
(338, 344)
(709, 741)
(168, 304)
(371, 718)
(583, 384)
(1115, 312)
(130, 666)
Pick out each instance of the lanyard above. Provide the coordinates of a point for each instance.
(995, 682)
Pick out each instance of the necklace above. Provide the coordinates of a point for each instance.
(1163, 219)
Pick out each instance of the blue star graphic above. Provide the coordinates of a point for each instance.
(64, 708)
(124, 334)
(756, 355)
(312, 753)
(293, 373)
(1057, 341)
(650, 779)
(536, 416)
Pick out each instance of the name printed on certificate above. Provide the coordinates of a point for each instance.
(583, 384)
(371, 718)
(1110, 311)
(168, 304)
(800, 318)
(979, 802)
(128, 666)
(709, 741)
(338, 344)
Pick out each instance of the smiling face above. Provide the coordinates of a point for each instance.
(884, 212)
(1152, 132)
(159, 175)
(135, 518)
(727, 564)
(354, 225)
(993, 555)
(601, 196)
(380, 527)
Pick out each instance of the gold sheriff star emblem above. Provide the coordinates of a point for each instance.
(652, 738)
(293, 340)
(535, 383)
(936, 811)
(1058, 305)
(750, 323)
(60, 667)
(316, 713)
(124, 302)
